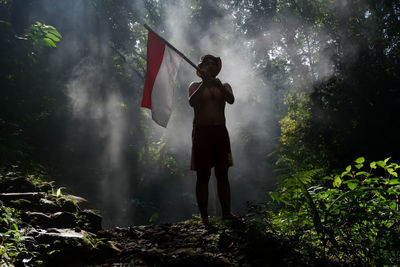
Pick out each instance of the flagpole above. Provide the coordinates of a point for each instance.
(173, 48)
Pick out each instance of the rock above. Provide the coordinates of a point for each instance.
(58, 228)
(52, 234)
(16, 184)
(47, 205)
(30, 201)
(22, 204)
(11, 174)
(185, 251)
(38, 219)
(30, 196)
(65, 245)
(67, 204)
(55, 220)
(63, 220)
(155, 251)
(90, 220)
(45, 187)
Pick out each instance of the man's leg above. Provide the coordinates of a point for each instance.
(203, 176)
(224, 193)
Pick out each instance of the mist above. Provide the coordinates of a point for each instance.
(251, 120)
(135, 171)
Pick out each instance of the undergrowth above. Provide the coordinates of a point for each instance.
(15, 242)
(350, 217)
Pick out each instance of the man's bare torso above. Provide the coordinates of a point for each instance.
(209, 102)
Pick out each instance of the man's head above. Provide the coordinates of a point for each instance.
(210, 64)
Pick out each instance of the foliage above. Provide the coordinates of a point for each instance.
(293, 152)
(351, 216)
(25, 101)
(346, 110)
(14, 239)
(43, 35)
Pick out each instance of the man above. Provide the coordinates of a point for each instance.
(211, 145)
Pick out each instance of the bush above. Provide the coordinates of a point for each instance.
(352, 216)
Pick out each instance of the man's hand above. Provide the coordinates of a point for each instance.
(217, 82)
(205, 76)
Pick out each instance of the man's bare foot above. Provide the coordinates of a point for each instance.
(206, 224)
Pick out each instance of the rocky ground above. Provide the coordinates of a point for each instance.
(189, 243)
(41, 226)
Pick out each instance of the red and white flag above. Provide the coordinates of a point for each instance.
(162, 68)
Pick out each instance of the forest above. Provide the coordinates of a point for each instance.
(313, 131)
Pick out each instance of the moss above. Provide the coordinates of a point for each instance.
(67, 204)
(20, 204)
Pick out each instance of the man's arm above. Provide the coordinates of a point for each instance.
(228, 93)
(194, 88)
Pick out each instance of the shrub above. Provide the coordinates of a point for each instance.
(352, 216)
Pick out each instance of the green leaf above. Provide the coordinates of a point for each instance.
(358, 166)
(394, 181)
(51, 252)
(337, 181)
(14, 227)
(373, 165)
(348, 168)
(345, 173)
(48, 28)
(351, 184)
(362, 173)
(275, 196)
(372, 180)
(52, 37)
(327, 178)
(56, 33)
(49, 42)
(394, 190)
(360, 160)
(392, 172)
(58, 192)
(387, 159)
(378, 194)
(154, 218)
(381, 163)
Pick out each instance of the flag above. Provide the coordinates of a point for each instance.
(162, 68)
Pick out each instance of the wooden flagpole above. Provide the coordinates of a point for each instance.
(173, 48)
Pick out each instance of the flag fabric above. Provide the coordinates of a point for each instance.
(162, 68)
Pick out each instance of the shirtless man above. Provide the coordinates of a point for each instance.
(211, 145)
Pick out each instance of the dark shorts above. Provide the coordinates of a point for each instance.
(211, 147)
